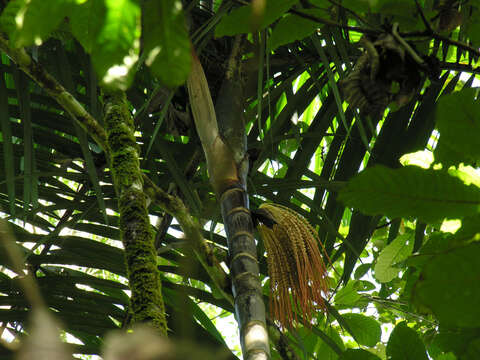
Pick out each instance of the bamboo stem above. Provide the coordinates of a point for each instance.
(226, 165)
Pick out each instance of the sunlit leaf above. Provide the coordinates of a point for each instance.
(397, 251)
(166, 42)
(422, 159)
(115, 50)
(366, 331)
(361, 271)
(331, 344)
(411, 192)
(86, 21)
(25, 20)
(348, 295)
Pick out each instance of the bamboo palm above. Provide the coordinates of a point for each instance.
(228, 166)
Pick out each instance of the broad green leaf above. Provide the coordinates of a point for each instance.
(401, 11)
(366, 330)
(359, 6)
(473, 25)
(310, 341)
(436, 243)
(473, 350)
(405, 344)
(331, 345)
(116, 48)
(461, 342)
(365, 285)
(391, 7)
(411, 192)
(293, 27)
(29, 22)
(467, 174)
(348, 296)
(358, 354)
(361, 271)
(166, 41)
(239, 21)
(86, 21)
(395, 252)
(470, 229)
(449, 286)
(447, 155)
(458, 129)
(448, 356)
(8, 22)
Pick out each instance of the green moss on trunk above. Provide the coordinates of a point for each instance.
(146, 300)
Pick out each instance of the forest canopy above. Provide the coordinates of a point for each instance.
(265, 179)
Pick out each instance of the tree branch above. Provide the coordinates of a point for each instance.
(67, 101)
(459, 67)
(175, 207)
(446, 39)
(353, 13)
(56, 91)
(422, 15)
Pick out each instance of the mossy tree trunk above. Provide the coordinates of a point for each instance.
(147, 301)
(136, 234)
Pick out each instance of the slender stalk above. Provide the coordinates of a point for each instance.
(191, 228)
(227, 165)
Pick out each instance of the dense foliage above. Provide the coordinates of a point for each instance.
(361, 115)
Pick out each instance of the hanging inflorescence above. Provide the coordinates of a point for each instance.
(298, 275)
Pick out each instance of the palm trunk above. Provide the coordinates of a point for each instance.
(244, 271)
(224, 147)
